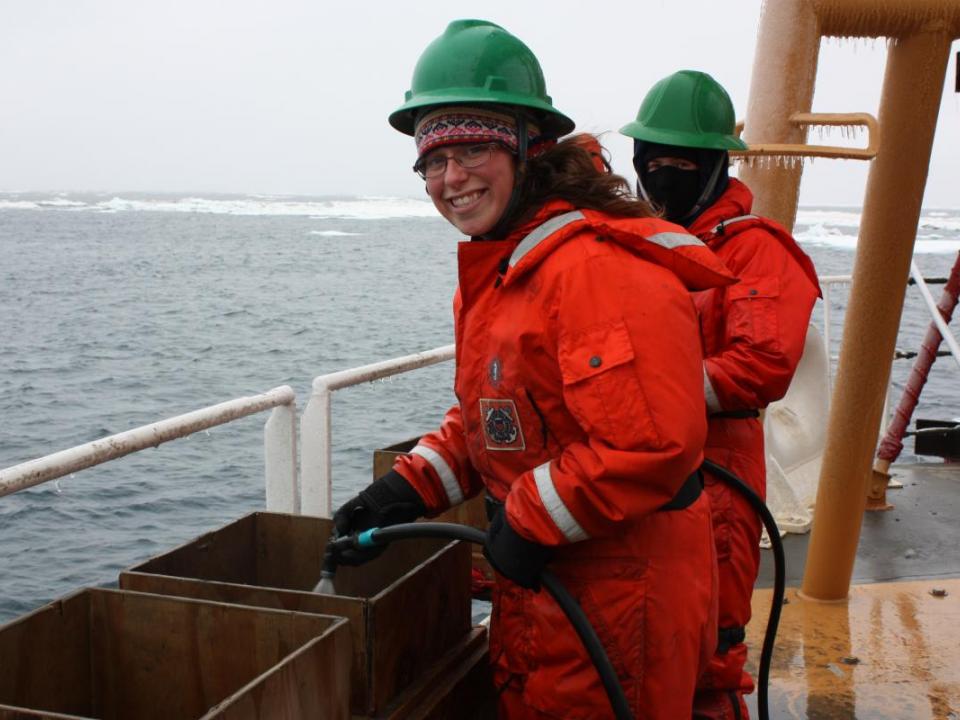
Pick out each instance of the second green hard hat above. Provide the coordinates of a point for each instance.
(477, 62)
(690, 109)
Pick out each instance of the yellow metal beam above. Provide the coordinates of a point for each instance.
(909, 105)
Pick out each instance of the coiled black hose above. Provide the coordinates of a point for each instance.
(566, 601)
(574, 612)
(779, 579)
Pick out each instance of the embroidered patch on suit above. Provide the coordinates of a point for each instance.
(501, 425)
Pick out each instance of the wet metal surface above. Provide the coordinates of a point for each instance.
(892, 651)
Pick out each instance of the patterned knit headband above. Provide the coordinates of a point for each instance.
(451, 125)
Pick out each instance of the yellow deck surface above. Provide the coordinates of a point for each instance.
(891, 651)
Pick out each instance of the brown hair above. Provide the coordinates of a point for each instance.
(569, 171)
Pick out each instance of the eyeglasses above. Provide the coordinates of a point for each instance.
(470, 156)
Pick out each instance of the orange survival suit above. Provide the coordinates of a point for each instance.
(581, 407)
(753, 334)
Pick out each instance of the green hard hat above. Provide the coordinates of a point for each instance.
(477, 62)
(689, 109)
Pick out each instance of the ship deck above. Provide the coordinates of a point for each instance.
(893, 650)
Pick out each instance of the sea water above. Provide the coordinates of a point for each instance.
(121, 310)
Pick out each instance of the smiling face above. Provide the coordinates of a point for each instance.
(473, 199)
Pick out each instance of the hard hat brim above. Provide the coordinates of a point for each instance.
(551, 121)
(707, 141)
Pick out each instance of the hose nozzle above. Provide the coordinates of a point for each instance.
(328, 570)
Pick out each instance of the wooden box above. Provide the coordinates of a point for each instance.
(472, 512)
(113, 654)
(406, 608)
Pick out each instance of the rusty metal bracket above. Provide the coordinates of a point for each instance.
(865, 120)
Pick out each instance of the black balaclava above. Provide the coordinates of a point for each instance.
(682, 195)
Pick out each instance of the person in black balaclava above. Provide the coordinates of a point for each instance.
(753, 335)
(681, 181)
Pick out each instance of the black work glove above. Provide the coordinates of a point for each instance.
(512, 555)
(387, 501)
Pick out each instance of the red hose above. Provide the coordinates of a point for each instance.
(892, 443)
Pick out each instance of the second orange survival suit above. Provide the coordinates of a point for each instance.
(753, 334)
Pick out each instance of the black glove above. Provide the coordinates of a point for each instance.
(387, 501)
(512, 555)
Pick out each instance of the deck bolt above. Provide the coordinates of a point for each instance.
(938, 592)
(850, 660)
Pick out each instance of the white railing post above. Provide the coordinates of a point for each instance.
(315, 454)
(826, 334)
(826, 285)
(280, 459)
(316, 449)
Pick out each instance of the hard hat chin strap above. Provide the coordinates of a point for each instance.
(706, 194)
(642, 191)
(501, 227)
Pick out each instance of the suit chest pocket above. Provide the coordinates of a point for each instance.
(752, 312)
(600, 383)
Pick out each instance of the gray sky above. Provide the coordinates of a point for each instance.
(291, 96)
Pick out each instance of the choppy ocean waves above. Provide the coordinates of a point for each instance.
(121, 310)
(358, 208)
(833, 227)
(837, 228)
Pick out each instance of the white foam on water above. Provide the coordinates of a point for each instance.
(61, 202)
(931, 220)
(824, 235)
(932, 247)
(810, 224)
(936, 222)
(360, 208)
(332, 233)
(356, 209)
(839, 227)
(836, 218)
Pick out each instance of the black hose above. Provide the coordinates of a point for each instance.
(566, 601)
(779, 579)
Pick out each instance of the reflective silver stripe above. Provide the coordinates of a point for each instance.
(731, 221)
(709, 394)
(542, 232)
(671, 240)
(561, 517)
(449, 480)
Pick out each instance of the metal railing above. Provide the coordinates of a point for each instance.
(313, 493)
(916, 278)
(316, 470)
(280, 448)
(826, 284)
